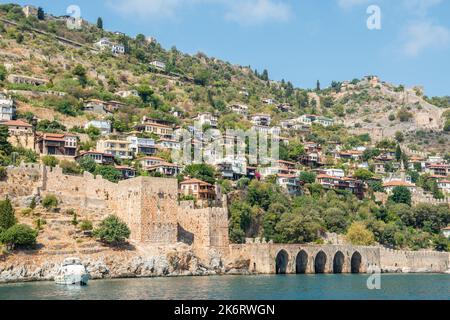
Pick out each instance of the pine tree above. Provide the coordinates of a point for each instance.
(398, 153)
(5, 146)
(7, 217)
(100, 23)
(318, 85)
(40, 14)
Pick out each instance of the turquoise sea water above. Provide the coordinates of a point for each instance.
(282, 287)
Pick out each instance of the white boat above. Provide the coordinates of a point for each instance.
(72, 272)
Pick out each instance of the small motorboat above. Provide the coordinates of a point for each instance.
(72, 272)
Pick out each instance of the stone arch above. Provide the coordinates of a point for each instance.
(338, 262)
(320, 262)
(301, 262)
(281, 262)
(356, 262)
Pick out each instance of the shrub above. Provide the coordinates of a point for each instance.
(69, 167)
(88, 164)
(26, 212)
(358, 234)
(50, 202)
(3, 173)
(33, 203)
(112, 231)
(18, 235)
(39, 223)
(75, 219)
(86, 225)
(50, 161)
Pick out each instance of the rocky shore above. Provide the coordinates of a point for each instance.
(110, 265)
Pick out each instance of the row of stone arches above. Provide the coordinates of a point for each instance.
(320, 262)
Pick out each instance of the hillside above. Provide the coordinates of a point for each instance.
(190, 84)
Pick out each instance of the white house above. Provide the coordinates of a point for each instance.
(7, 108)
(261, 119)
(158, 64)
(391, 185)
(334, 172)
(169, 144)
(206, 118)
(105, 43)
(241, 109)
(290, 183)
(103, 125)
(145, 146)
(118, 49)
(309, 119)
(444, 185)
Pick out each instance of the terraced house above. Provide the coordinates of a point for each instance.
(117, 148)
(56, 144)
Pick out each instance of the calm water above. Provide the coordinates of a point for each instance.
(291, 287)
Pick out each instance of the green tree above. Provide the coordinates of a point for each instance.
(50, 202)
(3, 72)
(7, 214)
(401, 195)
(447, 126)
(307, 177)
(40, 13)
(109, 173)
(112, 231)
(363, 174)
(298, 227)
(100, 23)
(399, 136)
(50, 161)
(19, 235)
(398, 153)
(5, 146)
(80, 72)
(87, 164)
(201, 171)
(358, 234)
(145, 93)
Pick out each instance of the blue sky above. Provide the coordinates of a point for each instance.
(298, 40)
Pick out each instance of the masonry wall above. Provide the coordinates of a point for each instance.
(413, 261)
(203, 228)
(159, 210)
(21, 181)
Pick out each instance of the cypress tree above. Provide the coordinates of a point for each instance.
(7, 218)
(100, 23)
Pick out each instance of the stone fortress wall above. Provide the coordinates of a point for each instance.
(150, 208)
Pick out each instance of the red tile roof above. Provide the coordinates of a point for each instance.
(16, 123)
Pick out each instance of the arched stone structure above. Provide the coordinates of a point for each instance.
(355, 262)
(320, 262)
(271, 258)
(281, 262)
(338, 262)
(301, 262)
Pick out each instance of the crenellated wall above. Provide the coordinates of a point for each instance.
(204, 228)
(150, 208)
(414, 261)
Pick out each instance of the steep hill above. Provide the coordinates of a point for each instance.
(190, 84)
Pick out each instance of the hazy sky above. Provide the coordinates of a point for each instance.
(298, 40)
